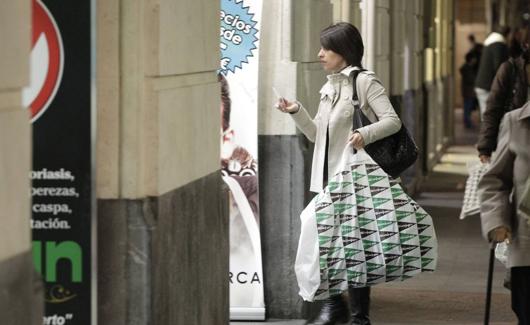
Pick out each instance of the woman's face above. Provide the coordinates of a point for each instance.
(331, 61)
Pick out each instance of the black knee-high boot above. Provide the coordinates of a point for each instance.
(360, 305)
(335, 311)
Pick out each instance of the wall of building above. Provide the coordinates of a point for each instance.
(19, 284)
(438, 79)
(405, 88)
(162, 213)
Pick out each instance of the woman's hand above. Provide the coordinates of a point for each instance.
(500, 234)
(286, 106)
(356, 140)
(484, 159)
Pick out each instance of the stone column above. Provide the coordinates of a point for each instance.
(162, 213)
(405, 90)
(288, 52)
(21, 294)
(439, 78)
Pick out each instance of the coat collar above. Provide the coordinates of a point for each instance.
(519, 62)
(525, 112)
(494, 38)
(346, 72)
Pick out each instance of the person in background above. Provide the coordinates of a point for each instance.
(495, 52)
(501, 191)
(476, 49)
(468, 71)
(509, 91)
(340, 54)
(476, 53)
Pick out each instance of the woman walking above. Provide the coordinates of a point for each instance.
(502, 190)
(340, 54)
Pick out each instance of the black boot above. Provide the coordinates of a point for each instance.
(360, 305)
(334, 312)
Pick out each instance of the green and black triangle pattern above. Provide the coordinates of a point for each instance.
(370, 231)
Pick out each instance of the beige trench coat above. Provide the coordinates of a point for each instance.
(336, 112)
(502, 186)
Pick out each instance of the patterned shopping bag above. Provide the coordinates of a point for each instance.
(471, 204)
(369, 231)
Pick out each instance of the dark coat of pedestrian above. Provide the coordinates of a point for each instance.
(508, 92)
(501, 191)
(475, 51)
(468, 71)
(495, 52)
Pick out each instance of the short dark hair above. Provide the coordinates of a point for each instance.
(471, 38)
(226, 102)
(345, 40)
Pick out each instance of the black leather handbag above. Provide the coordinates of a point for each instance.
(394, 153)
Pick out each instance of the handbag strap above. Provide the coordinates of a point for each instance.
(359, 118)
(355, 74)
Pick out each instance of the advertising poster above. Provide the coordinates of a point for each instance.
(59, 102)
(238, 76)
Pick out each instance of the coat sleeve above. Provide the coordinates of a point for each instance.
(304, 122)
(388, 122)
(500, 95)
(496, 185)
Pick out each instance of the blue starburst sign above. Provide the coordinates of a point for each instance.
(238, 35)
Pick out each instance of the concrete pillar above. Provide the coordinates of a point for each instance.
(382, 37)
(348, 10)
(163, 220)
(21, 294)
(405, 88)
(288, 61)
(449, 76)
(439, 79)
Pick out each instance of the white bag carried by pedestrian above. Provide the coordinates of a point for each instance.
(471, 204)
(361, 230)
(307, 266)
(501, 252)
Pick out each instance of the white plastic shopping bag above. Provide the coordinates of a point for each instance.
(502, 251)
(471, 203)
(306, 266)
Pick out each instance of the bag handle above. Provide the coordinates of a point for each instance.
(359, 118)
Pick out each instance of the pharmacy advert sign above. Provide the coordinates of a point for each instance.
(59, 103)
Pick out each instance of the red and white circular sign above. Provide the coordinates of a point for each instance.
(47, 61)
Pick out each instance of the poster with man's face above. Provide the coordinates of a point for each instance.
(238, 77)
